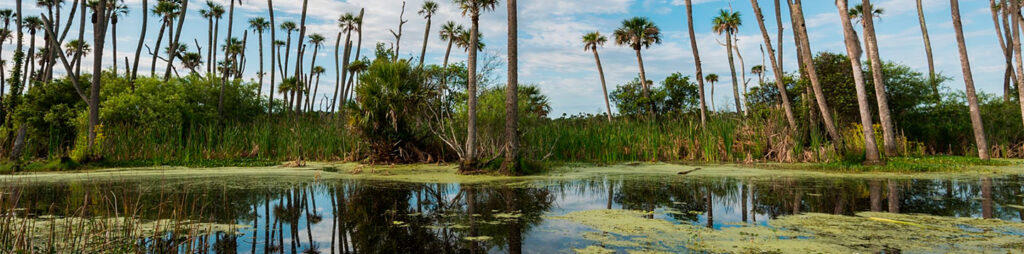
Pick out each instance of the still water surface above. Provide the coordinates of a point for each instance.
(301, 215)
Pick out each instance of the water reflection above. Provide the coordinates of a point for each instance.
(382, 217)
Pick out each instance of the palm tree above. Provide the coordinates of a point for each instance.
(224, 79)
(928, 47)
(359, 47)
(166, 11)
(120, 10)
(210, 13)
(776, 63)
(511, 164)
(317, 41)
(972, 97)
(639, 33)
(273, 57)
(5, 35)
(142, 40)
(712, 78)
(288, 27)
(99, 34)
(591, 42)
(232, 49)
(33, 24)
(884, 114)
(729, 22)
(428, 10)
(759, 71)
(317, 70)
(1005, 43)
(449, 32)
(176, 37)
(697, 64)
(74, 45)
(1017, 51)
(854, 52)
(473, 8)
(192, 60)
(804, 52)
(259, 25)
(348, 23)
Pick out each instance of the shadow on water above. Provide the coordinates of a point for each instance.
(349, 216)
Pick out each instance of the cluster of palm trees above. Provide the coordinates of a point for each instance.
(639, 33)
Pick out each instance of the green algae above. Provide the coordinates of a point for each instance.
(593, 250)
(808, 233)
(477, 238)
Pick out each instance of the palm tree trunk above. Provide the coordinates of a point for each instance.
(287, 55)
(312, 67)
(469, 163)
(174, 42)
(697, 64)
(224, 79)
(209, 42)
(927, 49)
(273, 54)
(426, 37)
(156, 50)
(511, 164)
(99, 33)
(796, 11)
(216, 40)
(142, 39)
(81, 37)
(643, 81)
(972, 97)
(1002, 45)
(732, 71)
(344, 73)
(884, 114)
(1017, 51)
(259, 90)
(30, 67)
(113, 44)
(359, 48)
(444, 68)
(337, 72)
(778, 23)
(776, 67)
(853, 50)
(604, 85)
(301, 53)
(713, 97)
(316, 88)
(743, 78)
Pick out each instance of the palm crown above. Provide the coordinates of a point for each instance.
(288, 26)
(726, 22)
(474, 7)
(713, 78)
(857, 12)
(451, 30)
(429, 9)
(348, 22)
(638, 32)
(259, 24)
(593, 40)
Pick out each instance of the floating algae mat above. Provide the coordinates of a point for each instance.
(866, 232)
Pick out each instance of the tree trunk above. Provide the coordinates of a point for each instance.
(174, 43)
(732, 71)
(972, 97)
(359, 48)
(796, 11)
(309, 82)
(778, 23)
(142, 40)
(301, 52)
(469, 163)
(604, 85)
(776, 68)
(99, 34)
(697, 65)
(216, 37)
(113, 44)
(344, 70)
(209, 42)
(156, 50)
(1016, 17)
(224, 79)
(273, 55)
(444, 68)
(927, 50)
(337, 72)
(884, 114)
(643, 81)
(426, 38)
(854, 52)
(259, 90)
(743, 78)
(511, 163)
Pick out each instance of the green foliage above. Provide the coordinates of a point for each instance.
(391, 96)
(676, 96)
(51, 112)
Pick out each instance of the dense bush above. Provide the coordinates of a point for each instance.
(677, 95)
(391, 97)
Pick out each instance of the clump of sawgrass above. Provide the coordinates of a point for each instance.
(912, 164)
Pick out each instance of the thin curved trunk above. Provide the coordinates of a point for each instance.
(884, 114)
(142, 39)
(854, 51)
(359, 48)
(776, 68)
(604, 85)
(300, 55)
(173, 53)
(224, 79)
(444, 78)
(713, 97)
(643, 81)
(697, 65)
(309, 81)
(426, 37)
(31, 66)
(511, 164)
(796, 11)
(344, 70)
(273, 55)
(972, 98)
(778, 24)
(928, 49)
(156, 50)
(743, 78)
(337, 72)
(732, 71)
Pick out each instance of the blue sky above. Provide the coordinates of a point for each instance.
(552, 56)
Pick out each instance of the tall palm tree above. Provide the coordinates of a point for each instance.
(317, 41)
(33, 24)
(317, 71)
(697, 64)
(729, 22)
(260, 25)
(288, 27)
(712, 78)
(173, 40)
(1005, 43)
(348, 23)
(166, 11)
(120, 10)
(804, 51)
(359, 47)
(191, 61)
(273, 57)
(1016, 23)
(74, 45)
(776, 63)
(142, 40)
(972, 97)
(591, 42)
(301, 50)
(928, 47)
(449, 32)
(854, 51)
(210, 13)
(5, 35)
(639, 33)
(759, 71)
(511, 164)
(884, 114)
(473, 8)
(217, 13)
(427, 11)
(224, 79)
(99, 34)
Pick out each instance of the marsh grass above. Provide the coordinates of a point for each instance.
(913, 165)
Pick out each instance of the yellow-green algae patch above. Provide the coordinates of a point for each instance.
(593, 250)
(808, 233)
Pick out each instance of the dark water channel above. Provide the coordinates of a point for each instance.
(350, 216)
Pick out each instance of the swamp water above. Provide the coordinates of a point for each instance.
(666, 213)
